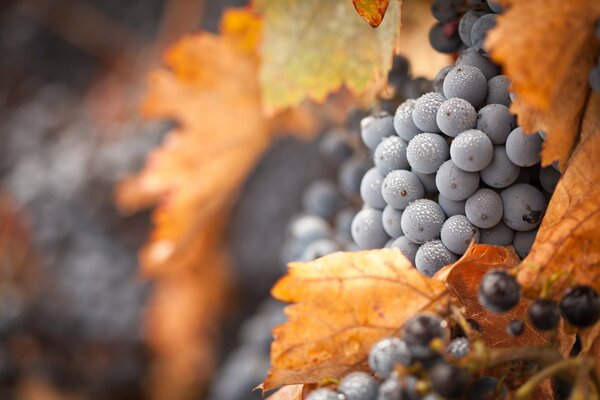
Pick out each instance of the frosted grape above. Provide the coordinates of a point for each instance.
(484, 208)
(472, 57)
(501, 172)
(358, 386)
(480, 29)
(426, 152)
(451, 207)
(466, 24)
(367, 229)
(499, 91)
(523, 150)
(496, 121)
(499, 235)
(466, 82)
(370, 189)
(408, 248)
(425, 111)
(524, 207)
(454, 183)
(376, 127)
(400, 188)
(432, 256)
(391, 221)
(385, 354)
(403, 120)
(456, 115)
(422, 221)
(472, 150)
(457, 233)
(390, 154)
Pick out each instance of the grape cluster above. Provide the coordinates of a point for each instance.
(453, 166)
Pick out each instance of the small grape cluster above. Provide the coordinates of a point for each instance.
(453, 167)
(594, 76)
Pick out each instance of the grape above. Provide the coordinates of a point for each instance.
(544, 314)
(457, 233)
(422, 221)
(466, 24)
(399, 387)
(420, 330)
(472, 150)
(388, 244)
(466, 82)
(594, 78)
(308, 228)
(391, 222)
(400, 188)
(580, 306)
(343, 224)
(417, 87)
(428, 181)
(515, 327)
(498, 291)
(448, 380)
(499, 235)
(480, 29)
(447, 10)
(426, 152)
(425, 111)
(484, 208)
(523, 150)
(323, 394)
(408, 248)
(318, 249)
(456, 115)
(487, 387)
(549, 178)
(370, 189)
(375, 127)
(367, 229)
(432, 256)
(496, 121)
(334, 147)
(472, 57)
(399, 74)
(458, 348)
(454, 183)
(438, 81)
(321, 198)
(350, 175)
(358, 386)
(441, 41)
(524, 207)
(403, 120)
(499, 91)
(386, 353)
(451, 207)
(496, 7)
(501, 172)
(523, 242)
(390, 154)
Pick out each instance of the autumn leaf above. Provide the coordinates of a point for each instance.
(547, 48)
(371, 11)
(342, 304)
(311, 48)
(290, 392)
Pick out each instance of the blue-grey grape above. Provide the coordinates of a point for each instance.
(466, 82)
(426, 152)
(367, 229)
(442, 42)
(523, 242)
(391, 221)
(499, 91)
(351, 173)
(499, 235)
(428, 181)
(335, 147)
(318, 249)
(451, 207)
(322, 198)
(390, 154)
(472, 57)
(523, 150)
(323, 394)
(370, 189)
(358, 386)
(425, 111)
(495, 6)
(496, 121)
(308, 228)
(466, 24)
(480, 29)
(472, 150)
(484, 208)
(549, 178)
(459, 347)
(501, 172)
(454, 183)
(420, 330)
(456, 115)
(422, 221)
(432, 256)
(403, 120)
(376, 127)
(438, 81)
(400, 188)
(447, 10)
(524, 207)
(408, 248)
(457, 233)
(386, 353)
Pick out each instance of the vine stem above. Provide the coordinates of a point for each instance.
(527, 389)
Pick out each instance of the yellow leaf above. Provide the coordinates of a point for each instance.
(311, 48)
(343, 304)
(371, 11)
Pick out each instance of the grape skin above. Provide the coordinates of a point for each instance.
(499, 91)
(422, 221)
(390, 154)
(523, 150)
(472, 57)
(408, 248)
(549, 177)
(457, 233)
(358, 386)
(426, 152)
(323, 394)
(484, 208)
(501, 172)
(391, 218)
(375, 127)
(386, 353)
(441, 42)
(400, 188)
(403, 121)
(432, 256)
(496, 121)
(456, 115)
(454, 183)
(318, 249)
(451, 207)
(466, 82)
(472, 150)
(321, 198)
(523, 242)
(499, 235)
(370, 189)
(466, 24)
(524, 207)
(438, 81)
(480, 29)
(367, 229)
(334, 147)
(425, 111)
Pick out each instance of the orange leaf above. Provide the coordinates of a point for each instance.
(547, 48)
(343, 304)
(289, 392)
(371, 11)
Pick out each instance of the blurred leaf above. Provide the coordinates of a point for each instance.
(343, 304)
(547, 48)
(371, 11)
(311, 48)
(289, 392)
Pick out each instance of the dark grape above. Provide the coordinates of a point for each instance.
(580, 306)
(544, 314)
(498, 291)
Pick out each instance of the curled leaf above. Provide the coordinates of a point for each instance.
(342, 304)
(371, 11)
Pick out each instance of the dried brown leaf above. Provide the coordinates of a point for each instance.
(342, 304)
(547, 48)
(371, 11)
